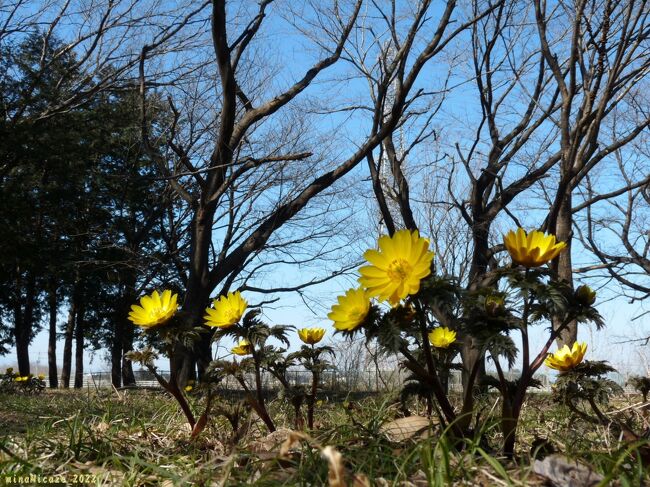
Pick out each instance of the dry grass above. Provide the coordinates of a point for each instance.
(139, 438)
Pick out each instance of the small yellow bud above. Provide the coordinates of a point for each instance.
(585, 295)
(494, 305)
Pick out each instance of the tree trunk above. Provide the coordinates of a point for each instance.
(184, 360)
(79, 348)
(116, 354)
(470, 352)
(128, 378)
(181, 365)
(22, 351)
(203, 354)
(53, 373)
(67, 345)
(23, 321)
(562, 266)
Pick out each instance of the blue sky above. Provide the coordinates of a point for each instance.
(606, 344)
(344, 132)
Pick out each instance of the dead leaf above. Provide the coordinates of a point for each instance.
(270, 442)
(360, 480)
(293, 438)
(565, 472)
(403, 429)
(336, 473)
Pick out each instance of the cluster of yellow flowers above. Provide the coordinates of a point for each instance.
(394, 272)
(226, 311)
(26, 378)
(403, 260)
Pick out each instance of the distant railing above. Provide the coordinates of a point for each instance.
(333, 380)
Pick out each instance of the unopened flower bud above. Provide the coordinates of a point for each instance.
(408, 312)
(494, 305)
(585, 295)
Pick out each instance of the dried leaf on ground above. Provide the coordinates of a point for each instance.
(403, 429)
(270, 442)
(293, 438)
(336, 473)
(565, 472)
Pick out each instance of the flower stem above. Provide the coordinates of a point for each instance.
(172, 388)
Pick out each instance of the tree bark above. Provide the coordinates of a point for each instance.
(67, 345)
(184, 360)
(116, 354)
(470, 351)
(22, 350)
(563, 265)
(128, 378)
(23, 323)
(79, 347)
(53, 373)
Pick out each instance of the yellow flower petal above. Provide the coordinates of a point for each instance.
(153, 310)
(311, 336)
(442, 337)
(533, 249)
(351, 309)
(566, 358)
(396, 269)
(243, 348)
(227, 311)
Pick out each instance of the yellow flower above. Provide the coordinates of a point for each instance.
(351, 310)
(397, 268)
(311, 335)
(533, 249)
(244, 348)
(154, 310)
(21, 379)
(442, 337)
(41, 376)
(566, 358)
(227, 311)
(10, 370)
(188, 388)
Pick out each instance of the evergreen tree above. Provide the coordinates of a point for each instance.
(82, 214)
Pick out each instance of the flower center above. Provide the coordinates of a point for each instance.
(357, 313)
(231, 315)
(399, 270)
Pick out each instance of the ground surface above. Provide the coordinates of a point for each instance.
(139, 438)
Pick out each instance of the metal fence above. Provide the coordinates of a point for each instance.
(334, 380)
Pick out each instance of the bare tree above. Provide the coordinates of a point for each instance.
(615, 226)
(245, 192)
(545, 101)
(474, 179)
(601, 74)
(102, 35)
